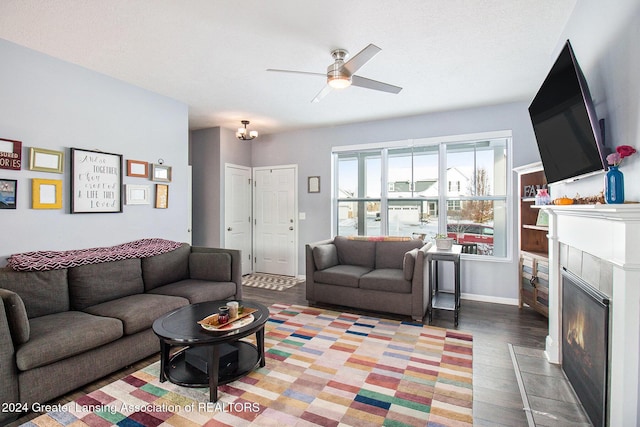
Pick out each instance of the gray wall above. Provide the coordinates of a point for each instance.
(211, 149)
(48, 103)
(311, 151)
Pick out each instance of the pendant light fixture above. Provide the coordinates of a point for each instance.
(244, 134)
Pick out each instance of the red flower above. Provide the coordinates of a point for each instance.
(625, 150)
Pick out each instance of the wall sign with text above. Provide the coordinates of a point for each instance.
(96, 184)
(10, 154)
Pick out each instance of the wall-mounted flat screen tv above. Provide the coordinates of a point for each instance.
(565, 124)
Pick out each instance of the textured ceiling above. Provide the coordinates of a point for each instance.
(212, 54)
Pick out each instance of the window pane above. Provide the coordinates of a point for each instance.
(477, 169)
(359, 218)
(372, 175)
(413, 217)
(400, 173)
(347, 177)
(481, 223)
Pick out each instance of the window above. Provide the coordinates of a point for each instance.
(394, 190)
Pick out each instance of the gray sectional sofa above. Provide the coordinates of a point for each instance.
(371, 274)
(61, 329)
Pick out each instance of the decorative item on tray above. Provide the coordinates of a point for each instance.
(211, 323)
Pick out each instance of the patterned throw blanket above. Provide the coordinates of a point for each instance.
(53, 260)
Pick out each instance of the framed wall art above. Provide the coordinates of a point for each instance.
(313, 184)
(160, 173)
(96, 181)
(138, 168)
(137, 194)
(8, 193)
(162, 196)
(10, 154)
(46, 193)
(46, 160)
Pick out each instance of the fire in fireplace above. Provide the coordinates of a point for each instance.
(585, 347)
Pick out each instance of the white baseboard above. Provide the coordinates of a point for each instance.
(485, 298)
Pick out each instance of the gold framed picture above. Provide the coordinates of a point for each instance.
(46, 193)
(43, 160)
(162, 196)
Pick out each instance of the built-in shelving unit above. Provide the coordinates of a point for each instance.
(533, 274)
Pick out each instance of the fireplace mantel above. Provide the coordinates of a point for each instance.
(611, 233)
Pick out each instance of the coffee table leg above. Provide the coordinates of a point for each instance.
(164, 358)
(260, 343)
(214, 364)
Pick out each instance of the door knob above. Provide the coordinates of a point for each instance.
(291, 228)
(229, 229)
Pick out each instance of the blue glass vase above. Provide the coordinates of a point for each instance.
(614, 186)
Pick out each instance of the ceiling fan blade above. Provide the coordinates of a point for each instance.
(361, 58)
(297, 72)
(374, 84)
(325, 90)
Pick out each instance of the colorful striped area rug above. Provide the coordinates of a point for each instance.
(323, 369)
(270, 281)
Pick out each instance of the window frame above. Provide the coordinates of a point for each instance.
(442, 198)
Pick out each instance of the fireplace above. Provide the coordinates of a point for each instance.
(585, 344)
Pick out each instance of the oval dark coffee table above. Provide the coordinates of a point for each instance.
(180, 328)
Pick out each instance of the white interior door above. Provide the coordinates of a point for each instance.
(275, 220)
(237, 213)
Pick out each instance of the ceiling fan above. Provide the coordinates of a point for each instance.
(341, 74)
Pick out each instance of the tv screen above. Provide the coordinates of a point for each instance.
(564, 121)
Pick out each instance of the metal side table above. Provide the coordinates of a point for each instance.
(444, 299)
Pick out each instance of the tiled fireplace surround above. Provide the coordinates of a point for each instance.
(601, 244)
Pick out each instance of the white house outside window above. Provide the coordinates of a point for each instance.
(393, 190)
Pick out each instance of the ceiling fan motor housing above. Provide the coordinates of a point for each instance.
(337, 76)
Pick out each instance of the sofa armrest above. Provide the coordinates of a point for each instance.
(420, 283)
(236, 264)
(8, 369)
(310, 268)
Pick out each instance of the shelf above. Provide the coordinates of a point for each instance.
(535, 227)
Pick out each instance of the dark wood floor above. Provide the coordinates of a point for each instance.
(496, 397)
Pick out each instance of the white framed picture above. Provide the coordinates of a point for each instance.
(137, 194)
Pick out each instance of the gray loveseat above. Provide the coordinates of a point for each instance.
(61, 329)
(387, 276)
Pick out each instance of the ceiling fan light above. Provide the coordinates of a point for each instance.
(339, 82)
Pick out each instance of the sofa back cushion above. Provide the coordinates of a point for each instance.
(42, 292)
(391, 254)
(355, 252)
(211, 266)
(170, 267)
(97, 283)
(325, 256)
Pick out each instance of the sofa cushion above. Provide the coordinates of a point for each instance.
(355, 252)
(93, 284)
(325, 256)
(16, 316)
(198, 290)
(166, 268)
(387, 280)
(341, 275)
(58, 336)
(137, 312)
(409, 263)
(391, 254)
(42, 292)
(211, 266)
